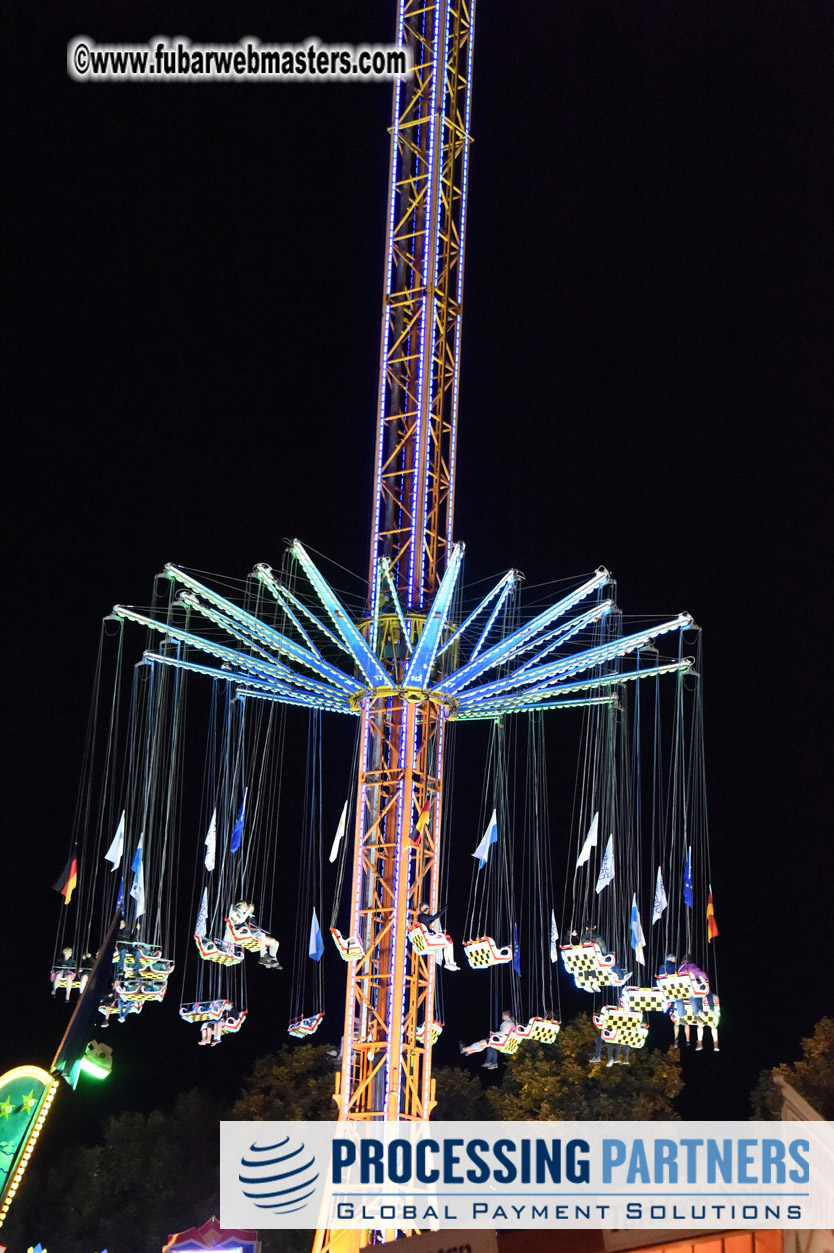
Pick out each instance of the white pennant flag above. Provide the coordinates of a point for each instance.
(660, 901)
(114, 852)
(202, 916)
(590, 841)
(211, 842)
(490, 837)
(606, 870)
(340, 835)
(554, 938)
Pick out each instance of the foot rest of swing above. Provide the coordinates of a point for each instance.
(224, 952)
(351, 948)
(424, 941)
(680, 987)
(484, 952)
(634, 998)
(302, 1027)
(545, 1030)
(436, 1032)
(204, 1011)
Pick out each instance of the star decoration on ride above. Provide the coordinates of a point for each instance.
(6, 1108)
(29, 1100)
(293, 648)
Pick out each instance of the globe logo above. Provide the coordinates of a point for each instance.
(278, 1177)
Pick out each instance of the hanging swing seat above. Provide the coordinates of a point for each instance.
(484, 952)
(224, 952)
(708, 1015)
(204, 1011)
(622, 1026)
(505, 1043)
(156, 968)
(679, 987)
(436, 1031)
(545, 1030)
(302, 1027)
(351, 948)
(634, 998)
(241, 933)
(425, 941)
(590, 967)
(64, 977)
(231, 1025)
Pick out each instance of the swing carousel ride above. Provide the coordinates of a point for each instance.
(418, 656)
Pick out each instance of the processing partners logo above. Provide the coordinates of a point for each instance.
(280, 1177)
(527, 1175)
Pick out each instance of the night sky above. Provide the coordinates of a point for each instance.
(191, 359)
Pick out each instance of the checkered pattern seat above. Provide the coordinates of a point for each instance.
(643, 998)
(351, 948)
(484, 952)
(622, 1026)
(545, 1030)
(204, 1011)
(708, 1016)
(425, 941)
(505, 1043)
(302, 1027)
(436, 1032)
(224, 952)
(588, 966)
(679, 987)
(244, 935)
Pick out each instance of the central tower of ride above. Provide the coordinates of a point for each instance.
(386, 1066)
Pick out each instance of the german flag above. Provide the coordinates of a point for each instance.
(66, 883)
(712, 925)
(421, 824)
(423, 817)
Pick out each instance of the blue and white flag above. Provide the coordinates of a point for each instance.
(606, 870)
(316, 946)
(516, 951)
(237, 830)
(202, 917)
(211, 842)
(554, 937)
(660, 901)
(638, 940)
(687, 879)
(590, 841)
(339, 836)
(137, 887)
(120, 899)
(490, 837)
(114, 852)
